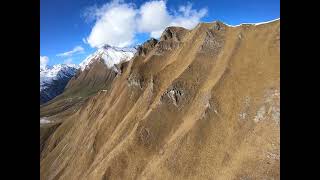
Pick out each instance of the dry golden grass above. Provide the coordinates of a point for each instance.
(201, 104)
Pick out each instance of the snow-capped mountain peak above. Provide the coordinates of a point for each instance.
(110, 54)
(51, 72)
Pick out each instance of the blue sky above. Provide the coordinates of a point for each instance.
(72, 29)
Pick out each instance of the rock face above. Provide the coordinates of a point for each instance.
(146, 47)
(197, 104)
(54, 79)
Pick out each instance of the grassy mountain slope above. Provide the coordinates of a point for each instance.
(198, 104)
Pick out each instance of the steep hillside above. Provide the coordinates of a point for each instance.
(197, 104)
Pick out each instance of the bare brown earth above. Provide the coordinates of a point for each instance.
(198, 104)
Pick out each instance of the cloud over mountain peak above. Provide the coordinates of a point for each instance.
(118, 23)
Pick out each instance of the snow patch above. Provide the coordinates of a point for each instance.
(254, 24)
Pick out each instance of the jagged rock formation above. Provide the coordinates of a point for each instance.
(146, 47)
(197, 104)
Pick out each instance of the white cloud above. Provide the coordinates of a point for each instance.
(43, 61)
(117, 23)
(156, 34)
(68, 61)
(77, 49)
(189, 17)
(90, 13)
(153, 16)
(185, 17)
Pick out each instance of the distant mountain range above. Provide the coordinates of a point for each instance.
(54, 79)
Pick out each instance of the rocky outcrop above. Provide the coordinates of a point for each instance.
(146, 47)
(170, 39)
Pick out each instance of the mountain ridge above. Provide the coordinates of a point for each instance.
(196, 104)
